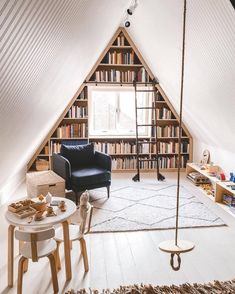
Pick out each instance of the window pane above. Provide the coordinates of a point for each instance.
(112, 112)
(126, 119)
(104, 106)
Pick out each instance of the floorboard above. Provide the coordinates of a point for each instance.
(133, 257)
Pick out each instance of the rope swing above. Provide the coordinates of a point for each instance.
(176, 247)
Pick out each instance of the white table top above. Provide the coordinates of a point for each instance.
(46, 221)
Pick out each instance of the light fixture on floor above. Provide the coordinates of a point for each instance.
(176, 247)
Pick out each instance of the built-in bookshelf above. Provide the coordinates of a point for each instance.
(120, 64)
(72, 128)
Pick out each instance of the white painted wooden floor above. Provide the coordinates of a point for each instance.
(130, 258)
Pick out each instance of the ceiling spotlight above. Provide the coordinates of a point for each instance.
(131, 9)
(127, 24)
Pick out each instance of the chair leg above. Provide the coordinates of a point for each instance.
(84, 254)
(108, 191)
(20, 274)
(76, 198)
(53, 273)
(26, 265)
(57, 256)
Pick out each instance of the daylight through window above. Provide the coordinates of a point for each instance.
(112, 112)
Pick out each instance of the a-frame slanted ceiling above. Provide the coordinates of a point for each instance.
(209, 101)
(47, 48)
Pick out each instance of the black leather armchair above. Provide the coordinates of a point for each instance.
(82, 168)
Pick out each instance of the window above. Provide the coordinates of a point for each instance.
(112, 112)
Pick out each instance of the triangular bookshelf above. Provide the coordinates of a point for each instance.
(119, 64)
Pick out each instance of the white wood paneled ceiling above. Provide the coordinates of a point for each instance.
(47, 47)
(209, 95)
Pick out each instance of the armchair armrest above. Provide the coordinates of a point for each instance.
(62, 167)
(103, 160)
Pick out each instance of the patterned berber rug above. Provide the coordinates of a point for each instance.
(215, 287)
(147, 207)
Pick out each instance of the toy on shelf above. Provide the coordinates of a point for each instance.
(213, 170)
(208, 188)
(205, 157)
(229, 200)
(232, 177)
(198, 178)
(221, 176)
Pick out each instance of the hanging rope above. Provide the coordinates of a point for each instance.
(176, 247)
(180, 128)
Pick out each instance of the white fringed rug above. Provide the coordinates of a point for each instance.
(215, 287)
(147, 207)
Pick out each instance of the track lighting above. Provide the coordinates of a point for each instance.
(127, 24)
(130, 11)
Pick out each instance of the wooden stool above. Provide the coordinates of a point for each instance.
(30, 248)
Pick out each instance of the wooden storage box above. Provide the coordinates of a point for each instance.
(44, 182)
(42, 164)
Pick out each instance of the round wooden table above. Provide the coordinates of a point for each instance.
(59, 218)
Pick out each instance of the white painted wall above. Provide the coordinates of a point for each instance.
(209, 100)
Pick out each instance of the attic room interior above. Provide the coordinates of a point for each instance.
(117, 131)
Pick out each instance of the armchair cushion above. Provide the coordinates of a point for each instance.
(90, 176)
(78, 155)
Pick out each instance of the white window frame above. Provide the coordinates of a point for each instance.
(92, 134)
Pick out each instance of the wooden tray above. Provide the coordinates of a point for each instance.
(25, 212)
(22, 205)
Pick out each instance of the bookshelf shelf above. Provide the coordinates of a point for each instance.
(65, 138)
(120, 47)
(75, 119)
(119, 65)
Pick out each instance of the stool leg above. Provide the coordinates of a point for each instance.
(53, 273)
(84, 254)
(57, 256)
(26, 265)
(20, 274)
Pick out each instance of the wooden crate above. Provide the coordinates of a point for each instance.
(42, 164)
(43, 182)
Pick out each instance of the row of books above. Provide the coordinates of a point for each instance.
(121, 41)
(116, 147)
(72, 131)
(128, 148)
(164, 113)
(164, 162)
(172, 147)
(77, 112)
(167, 131)
(144, 147)
(120, 58)
(55, 147)
(114, 75)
